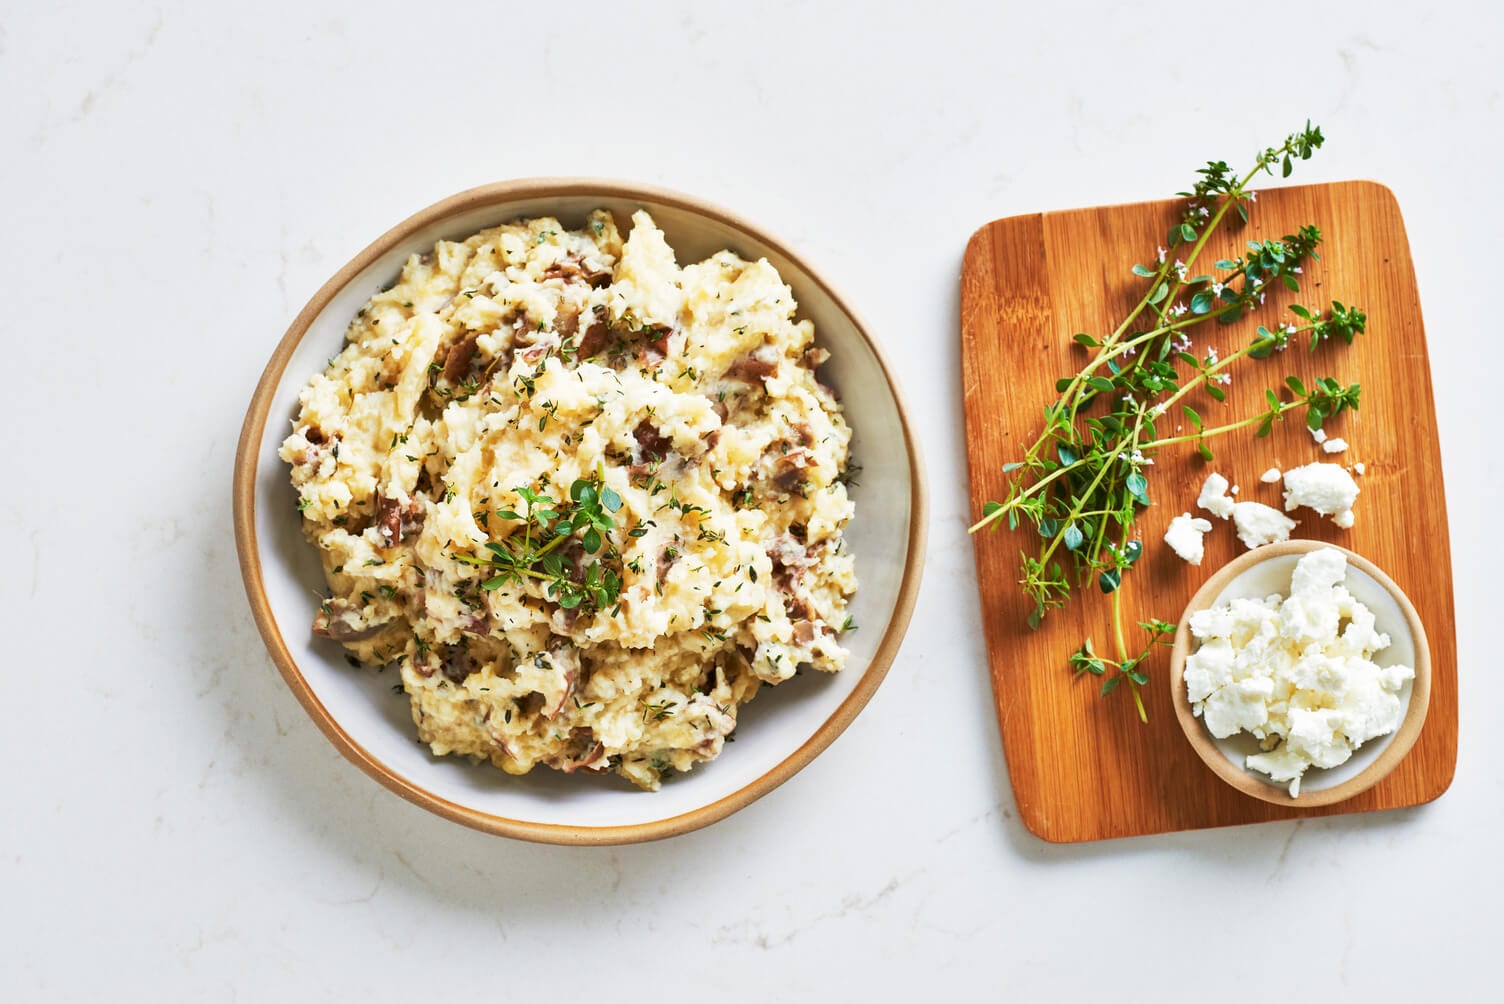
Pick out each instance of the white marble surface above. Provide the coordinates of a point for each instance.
(180, 177)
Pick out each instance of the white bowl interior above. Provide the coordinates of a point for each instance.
(773, 727)
(1273, 575)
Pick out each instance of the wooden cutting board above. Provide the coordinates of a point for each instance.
(1083, 767)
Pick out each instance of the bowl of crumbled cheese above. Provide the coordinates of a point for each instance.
(1301, 673)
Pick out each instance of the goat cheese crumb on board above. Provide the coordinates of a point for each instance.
(1214, 498)
(1258, 524)
(1184, 536)
(1326, 488)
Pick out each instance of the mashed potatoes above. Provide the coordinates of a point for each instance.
(589, 501)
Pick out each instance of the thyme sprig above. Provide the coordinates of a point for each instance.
(1086, 659)
(535, 551)
(1082, 482)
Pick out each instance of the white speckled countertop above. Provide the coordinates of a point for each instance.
(181, 177)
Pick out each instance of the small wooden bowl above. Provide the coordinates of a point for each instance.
(1267, 570)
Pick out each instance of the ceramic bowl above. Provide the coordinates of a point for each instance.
(1267, 570)
(780, 732)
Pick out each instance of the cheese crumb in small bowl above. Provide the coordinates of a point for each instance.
(1300, 674)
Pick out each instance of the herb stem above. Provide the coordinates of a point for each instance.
(1071, 393)
(1117, 625)
(1168, 329)
(1284, 406)
(1138, 699)
(550, 546)
(1124, 665)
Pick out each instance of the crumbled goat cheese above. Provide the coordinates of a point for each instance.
(1327, 488)
(1358, 469)
(1213, 497)
(1270, 476)
(1259, 524)
(1317, 434)
(1335, 445)
(1185, 536)
(1296, 672)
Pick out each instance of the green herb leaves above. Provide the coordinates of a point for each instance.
(1087, 660)
(1328, 398)
(1297, 146)
(539, 553)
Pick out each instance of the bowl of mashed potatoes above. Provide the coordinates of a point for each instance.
(1301, 674)
(579, 512)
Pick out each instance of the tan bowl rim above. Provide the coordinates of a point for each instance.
(1245, 780)
(244, 501)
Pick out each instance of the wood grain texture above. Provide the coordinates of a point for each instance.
(1084, 767)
